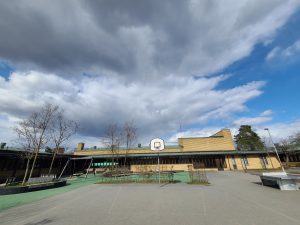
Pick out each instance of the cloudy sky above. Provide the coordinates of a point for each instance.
(177, 68)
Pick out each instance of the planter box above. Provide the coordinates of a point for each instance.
(34, 187)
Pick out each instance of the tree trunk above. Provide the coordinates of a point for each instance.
(125, 158)
(287, 159)
(33, 164)
(126, 152)
(112, 161)
(26, 171)
(52, 161)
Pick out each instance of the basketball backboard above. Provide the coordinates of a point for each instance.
(157, 144)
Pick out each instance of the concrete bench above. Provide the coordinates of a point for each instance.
(44, 179)
(280, 179)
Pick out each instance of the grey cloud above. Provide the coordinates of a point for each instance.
(132, 38)
(124, 45)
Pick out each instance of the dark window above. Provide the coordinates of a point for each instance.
(265, 160)
(245, 160)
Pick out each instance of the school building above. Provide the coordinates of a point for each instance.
(214, 153)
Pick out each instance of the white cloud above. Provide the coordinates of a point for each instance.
(266, 113)
(291, 50)
(6, 129)
(263, 117)
(204, 132)
(273, 53)
(157, 108)
(278, 131)
(252, 120)
(284, 53)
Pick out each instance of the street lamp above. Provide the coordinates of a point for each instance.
(267, 129)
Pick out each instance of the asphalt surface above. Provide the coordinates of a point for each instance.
(232, 198)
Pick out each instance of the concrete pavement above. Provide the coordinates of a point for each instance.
(232, 198)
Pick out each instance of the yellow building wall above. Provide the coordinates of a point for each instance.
(254, 162)
(273, 162)
(165, 167)
(221, 141)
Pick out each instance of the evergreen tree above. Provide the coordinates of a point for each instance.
(247, 139)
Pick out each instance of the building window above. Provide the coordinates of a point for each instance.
(245, 160)
(265, 160)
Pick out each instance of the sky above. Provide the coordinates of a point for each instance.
(175, 68)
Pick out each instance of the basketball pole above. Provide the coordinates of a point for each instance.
(157, 144)
(158, 167)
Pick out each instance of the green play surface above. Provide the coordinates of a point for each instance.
(9, 201)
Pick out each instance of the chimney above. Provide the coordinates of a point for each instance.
(2, 145)
(80, 146)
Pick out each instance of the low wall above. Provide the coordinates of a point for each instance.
(165, 167)
(37, 187)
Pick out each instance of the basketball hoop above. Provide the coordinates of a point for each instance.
(157, 144)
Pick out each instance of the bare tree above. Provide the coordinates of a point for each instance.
(24, 139)
(130, 134)
(28, 154)
(295, 139)
(285, 145)
(33, 130)
(61, 130)
(112, 140)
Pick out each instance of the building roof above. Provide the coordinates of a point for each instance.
(18, 151)
(132, 148)
(199, 153)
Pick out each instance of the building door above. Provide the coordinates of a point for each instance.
(219, 164)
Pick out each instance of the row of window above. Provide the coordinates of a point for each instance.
(208, 162)
(245, 161)
(13, 163)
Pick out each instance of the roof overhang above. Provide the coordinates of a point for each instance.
(161, 154)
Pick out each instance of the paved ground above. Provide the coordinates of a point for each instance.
(8, 201)
(233, 198)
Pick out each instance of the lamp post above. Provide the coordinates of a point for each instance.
(267, 129)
